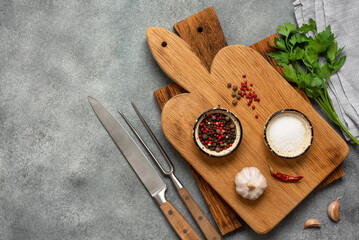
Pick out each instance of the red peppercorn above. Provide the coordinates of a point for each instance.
(253, 107)
(251, 84)
(230, 144)
(258, 99)
(245, 81)
(206, 146)
(256, 115)
(249, 103)
(225, 147)
(244, 76)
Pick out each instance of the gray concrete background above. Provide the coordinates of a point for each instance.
(61, 176)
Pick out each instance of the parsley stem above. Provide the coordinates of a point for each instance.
(297, 67)
(322, 105)
(329, 100)
(325, 103)
(347, 132)
(330, 110)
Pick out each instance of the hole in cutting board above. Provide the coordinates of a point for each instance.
(164, 44)
(200, 29)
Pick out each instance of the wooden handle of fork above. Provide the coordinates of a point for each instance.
(202, 221)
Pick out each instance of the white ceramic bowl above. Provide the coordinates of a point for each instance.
(224, 152)
(301, 147)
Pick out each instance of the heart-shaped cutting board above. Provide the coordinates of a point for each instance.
(208, 90)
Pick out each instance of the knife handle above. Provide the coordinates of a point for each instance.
(178, 222)
(202, 221)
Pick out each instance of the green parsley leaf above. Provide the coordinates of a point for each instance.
(282, 57)
(316, 82)
(301, 38)
(325, 71)
(299, 53)
(323, 40)
(331, 52)
(339, 64)
(286, 29)
(280, 43)
(290, 74)
(293, 40)
(310, 55)
(311, 27)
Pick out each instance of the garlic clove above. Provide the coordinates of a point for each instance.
(333, 210)
(312, 223)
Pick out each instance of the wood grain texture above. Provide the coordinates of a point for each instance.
(178, 222)
(206, 45)
(204, 34)
(208, 90)
(202, 221)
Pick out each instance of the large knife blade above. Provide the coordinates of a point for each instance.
(144, 170)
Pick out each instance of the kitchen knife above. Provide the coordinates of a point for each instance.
(144, 170)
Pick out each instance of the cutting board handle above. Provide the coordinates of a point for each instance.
(177, 59)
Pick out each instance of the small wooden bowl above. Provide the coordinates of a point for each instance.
(235, 144)
(308, 135)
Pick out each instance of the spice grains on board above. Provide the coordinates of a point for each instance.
(245, 91)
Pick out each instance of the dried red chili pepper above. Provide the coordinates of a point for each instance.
(284, 177)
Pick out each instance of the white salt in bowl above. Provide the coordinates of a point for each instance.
(288, 133)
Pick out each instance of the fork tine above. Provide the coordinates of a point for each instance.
(164, 154)
(144, 144)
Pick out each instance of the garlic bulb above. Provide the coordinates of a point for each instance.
(250, 183)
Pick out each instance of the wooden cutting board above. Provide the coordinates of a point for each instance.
(209, 90)
(203, 32)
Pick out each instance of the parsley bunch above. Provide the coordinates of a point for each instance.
(309, 62)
